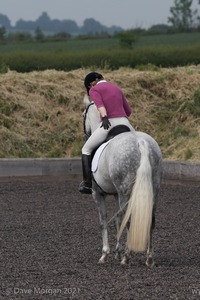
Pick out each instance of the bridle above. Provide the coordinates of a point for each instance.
(86, 135)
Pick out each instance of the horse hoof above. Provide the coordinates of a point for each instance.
(102, 260)
(118, 256)
(124, 261)
(150, 262)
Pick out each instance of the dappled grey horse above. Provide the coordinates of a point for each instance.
(130, 169)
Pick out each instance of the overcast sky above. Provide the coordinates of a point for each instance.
(123, 13)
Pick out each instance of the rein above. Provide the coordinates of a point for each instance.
(84, 120)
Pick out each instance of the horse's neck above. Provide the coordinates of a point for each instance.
(94, 118)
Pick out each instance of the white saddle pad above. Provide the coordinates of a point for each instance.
(97, 156)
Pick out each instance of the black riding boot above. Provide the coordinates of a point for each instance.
(85, 186)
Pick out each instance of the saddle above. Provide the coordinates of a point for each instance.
(116, 130)
(111, 134)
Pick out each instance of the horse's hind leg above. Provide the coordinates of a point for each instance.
(150, 261)
(118, 218)
(121, 205)
(100, 201)
(126, 256)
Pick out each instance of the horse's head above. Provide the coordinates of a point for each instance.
(91, 117)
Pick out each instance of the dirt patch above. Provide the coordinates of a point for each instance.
(51, 242)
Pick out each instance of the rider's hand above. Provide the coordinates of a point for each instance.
(105, 123)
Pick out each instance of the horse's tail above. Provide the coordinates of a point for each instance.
(140, 205)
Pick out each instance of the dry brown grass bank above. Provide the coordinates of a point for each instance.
(40, 112)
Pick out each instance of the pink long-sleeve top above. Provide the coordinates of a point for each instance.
(109, 95)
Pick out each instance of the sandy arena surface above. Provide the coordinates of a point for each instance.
(51, 243)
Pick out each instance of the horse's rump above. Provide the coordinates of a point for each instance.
(120, 160)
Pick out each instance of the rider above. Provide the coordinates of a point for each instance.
(114, 110)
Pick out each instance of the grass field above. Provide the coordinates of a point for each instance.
(182, 39)
(164, 51)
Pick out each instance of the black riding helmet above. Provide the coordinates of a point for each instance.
(90, 78)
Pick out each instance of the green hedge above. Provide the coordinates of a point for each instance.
(161, 56)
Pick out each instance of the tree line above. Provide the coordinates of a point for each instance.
(46, 24)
